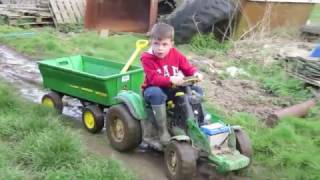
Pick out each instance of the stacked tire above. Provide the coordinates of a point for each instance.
(199, 16)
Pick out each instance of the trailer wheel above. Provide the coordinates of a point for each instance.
(53, 100)
(243, 143)
(180, 161)
(123, 130)
(92, 118)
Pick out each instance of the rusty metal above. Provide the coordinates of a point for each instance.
(272, 15)
(298, 110)
(121, 15)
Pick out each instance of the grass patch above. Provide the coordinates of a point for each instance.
(288, 151)
(35, 145)
(315, 15)
(276, 81)
(206, 44)
(48, 43)
(49, 149)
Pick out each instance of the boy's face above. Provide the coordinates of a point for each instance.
(161, 47)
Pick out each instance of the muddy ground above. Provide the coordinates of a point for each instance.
(243, 95)
(231, 95)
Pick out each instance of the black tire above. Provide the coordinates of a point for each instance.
(243, 143)
(131, 135)
(186, 165)
(96, 121)
(194, 16)
(56, 99)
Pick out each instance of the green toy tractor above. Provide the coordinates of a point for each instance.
(100, 86)
(195, 136)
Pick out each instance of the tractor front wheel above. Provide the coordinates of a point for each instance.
(123, 130)
(243, 143)
(180, 161)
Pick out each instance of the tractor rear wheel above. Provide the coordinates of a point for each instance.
(180, 161)
(123, 130)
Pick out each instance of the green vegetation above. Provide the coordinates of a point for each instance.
(315, 15)
(206, 44)
(203, 44)
(35, 145)
(276, 81)
(48, 43)
(288, 151)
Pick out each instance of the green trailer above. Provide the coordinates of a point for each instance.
(95, 82)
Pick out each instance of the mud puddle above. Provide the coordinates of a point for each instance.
(23, 73)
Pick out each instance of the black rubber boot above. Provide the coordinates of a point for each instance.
(149, 137)
(160, 115)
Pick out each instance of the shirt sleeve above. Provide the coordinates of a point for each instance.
(185, 66)
(153, 77)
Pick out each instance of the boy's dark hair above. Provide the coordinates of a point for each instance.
(162, 31)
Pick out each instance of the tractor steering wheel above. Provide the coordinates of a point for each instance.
(190, 80)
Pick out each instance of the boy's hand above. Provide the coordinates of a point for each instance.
(199, 76)
(176, 80)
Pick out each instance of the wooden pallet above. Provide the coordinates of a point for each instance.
(23, 1)
(29, 20)
(20, 15)
(67, 11)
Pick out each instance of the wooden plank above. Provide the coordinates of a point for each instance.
(77, 5)
(63, 12)
(69, 11)
(55, 12)
(76, 11)
(81, 6)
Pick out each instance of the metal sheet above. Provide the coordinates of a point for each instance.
(121, 15)
(275, 15)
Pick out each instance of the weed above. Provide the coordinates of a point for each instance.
(276, 81)
(91, 168)
(203, 44)
(50, 149)
(288, 151)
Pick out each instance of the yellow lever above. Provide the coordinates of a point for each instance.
(140, 44)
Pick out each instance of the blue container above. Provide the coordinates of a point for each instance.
(316, 52)
(214, 131)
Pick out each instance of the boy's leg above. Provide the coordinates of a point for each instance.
(157, 98)
(197, 89)
(206, 116)
(154, 95)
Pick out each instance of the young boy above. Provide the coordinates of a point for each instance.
(164, 66)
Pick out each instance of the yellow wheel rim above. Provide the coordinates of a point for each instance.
(48, 102)
(89, 119)
(117, 130)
